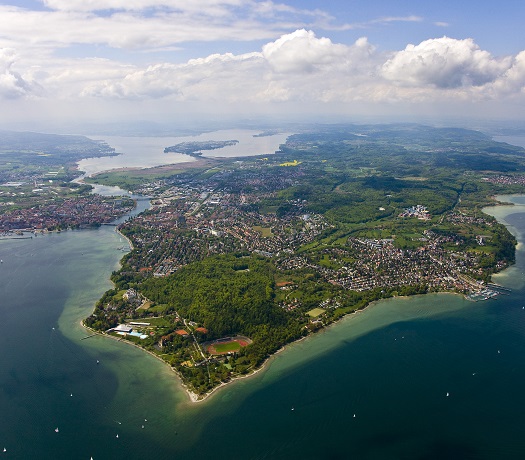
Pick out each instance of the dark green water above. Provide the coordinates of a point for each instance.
(392, 366)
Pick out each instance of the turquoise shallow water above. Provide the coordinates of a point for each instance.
(392, 366)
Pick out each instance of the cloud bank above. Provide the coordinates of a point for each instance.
(301, 66)
(280, 67)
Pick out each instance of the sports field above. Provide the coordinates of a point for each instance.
(315, 312)
(231, 346)
(226, 347)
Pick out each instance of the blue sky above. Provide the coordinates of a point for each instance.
(125, 59)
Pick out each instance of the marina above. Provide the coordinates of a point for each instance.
(491, 291)
(483, 294)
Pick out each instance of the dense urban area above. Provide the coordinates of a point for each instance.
(236, 258)
(37, 191)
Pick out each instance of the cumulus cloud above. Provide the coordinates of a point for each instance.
(302, 52)
(297, 66)
(444, 63)
(303, 67)
(214, 77)
(513, 80)
(12, 84)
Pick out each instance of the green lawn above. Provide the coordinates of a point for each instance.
(265, 232)
(226, 347)
(315, 312)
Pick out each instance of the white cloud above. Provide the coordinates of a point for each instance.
(274, 92)
(214, 77)
(297, 66)
(513, 80)
(444, 63)
(297, 69)
(302, 52)
(123, 29)
(137, 5)
(385, 20)
(12, 84)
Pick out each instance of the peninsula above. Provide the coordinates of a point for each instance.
(233, 262)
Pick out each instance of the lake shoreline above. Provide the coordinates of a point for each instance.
(196, 398)
(193, 163)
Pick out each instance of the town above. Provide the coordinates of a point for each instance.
(77, 212)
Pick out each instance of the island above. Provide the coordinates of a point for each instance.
(267, 133)
(234, 261)
(195, 148)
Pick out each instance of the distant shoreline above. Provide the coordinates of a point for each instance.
(194, 163)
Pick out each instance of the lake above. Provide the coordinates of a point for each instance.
(147, 152)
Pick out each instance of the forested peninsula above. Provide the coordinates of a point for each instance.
(233, 262)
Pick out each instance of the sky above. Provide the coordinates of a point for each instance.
(296, 60)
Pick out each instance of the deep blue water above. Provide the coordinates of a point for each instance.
(392, 366)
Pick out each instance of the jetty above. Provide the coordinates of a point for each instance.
(16, 237)
(501, 289)
(88, 336)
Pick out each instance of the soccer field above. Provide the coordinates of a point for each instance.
(315, 312)
(227, 347)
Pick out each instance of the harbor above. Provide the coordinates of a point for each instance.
(491, 291)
